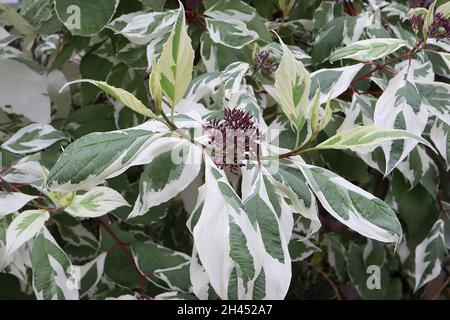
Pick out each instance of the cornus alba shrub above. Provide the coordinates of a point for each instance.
(224, 149)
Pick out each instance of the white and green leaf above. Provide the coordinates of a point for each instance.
(91, 273)
(233, 255)
(292, 85)
(97, 156)
(436, 99)
(33, 138)
(175, 64)
(367, 136)
(400, 107)
(13, 201)
(96, 202)
(440, 136)
(164, 267)
(230, 33)
(120, 94)
(23, 228)
(203, 86)
(332, 82)
(368, 50)
(419, 167)
(429, 255)
(227, 23)
(53, 273)
(290, 182)
(233, 78)
(302, 249)
(337, 255)
(173, 165)
(25, 171)
(440, 61)
(276, 52)
(353, 206)
(141, 28)
(264, 208)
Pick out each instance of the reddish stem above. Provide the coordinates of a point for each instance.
(5, 169)
(380, 66)
(122, 245)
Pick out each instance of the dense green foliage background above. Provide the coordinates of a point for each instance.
(39, 54)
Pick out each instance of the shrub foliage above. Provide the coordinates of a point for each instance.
(224, 149)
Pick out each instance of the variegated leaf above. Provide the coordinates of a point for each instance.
(332, 82)
(91, 273)
(276, 52)
(227, 23)
(264, 209)
(230, 33)
(440, 61)
(440, 135)
(120, 94)
(353, 206)
(302, 249)
(95, 203)
(12, 201)
(53, 277)
(164, 267)
(141, 28)
(429, 254)
(80, 242)
(175, 65)
(419, 167)
(23, 228)
(368, 50)
(198, 276)
(445, 58)
(367, 136)
(154, 84)
(155, 48)
(208, 52)
(436, 99)
(291, 183)
(173, 165)
(97, 156)
(337, 255)
(292, 84)
(25, 171)
(232, 256)
(233, 76)
(400, 107)
(423, 71)
(345, 29)
(246, 100)
(370, 260)
(325, 13)
(203, 86)
(231, 9)
(33, 138)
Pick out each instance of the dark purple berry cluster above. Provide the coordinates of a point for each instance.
(233, 139)
(263, 62)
